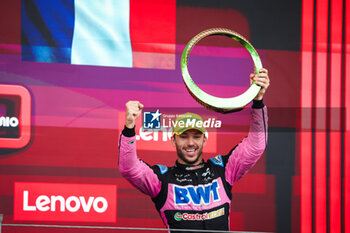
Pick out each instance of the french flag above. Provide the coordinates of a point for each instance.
(120, 33)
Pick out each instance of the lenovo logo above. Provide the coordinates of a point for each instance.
(65, 202)
(72, 204)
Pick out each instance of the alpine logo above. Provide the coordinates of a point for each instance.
(201, 194)
(199, 217)
(65, 202)
(217, 160)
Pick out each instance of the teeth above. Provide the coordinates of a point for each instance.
(191, 150)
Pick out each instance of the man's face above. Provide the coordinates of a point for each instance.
(189, 146)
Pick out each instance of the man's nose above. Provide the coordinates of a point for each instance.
(190, 141)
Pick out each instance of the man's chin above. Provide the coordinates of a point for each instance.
(191, 157)
(190, 160)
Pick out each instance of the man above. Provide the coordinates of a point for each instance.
(194, 194)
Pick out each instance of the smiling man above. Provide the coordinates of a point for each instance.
(189, 139)
(194, 194)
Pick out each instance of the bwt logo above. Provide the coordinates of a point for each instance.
(201, 194)
(151, 120)
(65, 202)
(15, 116)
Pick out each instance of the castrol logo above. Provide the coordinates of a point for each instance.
(65, 202)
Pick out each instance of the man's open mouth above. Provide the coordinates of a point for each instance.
(190, 151)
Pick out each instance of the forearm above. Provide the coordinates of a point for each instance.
(127, 151)
(132, 168)
(257, 136)
(248, 152)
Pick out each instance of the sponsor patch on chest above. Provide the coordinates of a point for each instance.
(198, 216)
(197, 195)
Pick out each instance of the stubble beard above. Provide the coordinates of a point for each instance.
(183, 157)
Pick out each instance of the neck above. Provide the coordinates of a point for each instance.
(180, 161)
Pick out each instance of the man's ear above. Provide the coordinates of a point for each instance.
(173, 140)
(205, 140)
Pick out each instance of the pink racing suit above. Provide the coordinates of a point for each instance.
(195, 197)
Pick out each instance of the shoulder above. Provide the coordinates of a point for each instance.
(217, 160)
(221, 160)
(160, 170)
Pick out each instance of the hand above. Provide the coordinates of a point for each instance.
(262, 79)
(133, 111)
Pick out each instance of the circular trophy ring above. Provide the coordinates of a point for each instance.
(211, 102)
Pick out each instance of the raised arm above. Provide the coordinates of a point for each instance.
(248, 152)
(138, 173)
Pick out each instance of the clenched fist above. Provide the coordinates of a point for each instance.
(133, 111)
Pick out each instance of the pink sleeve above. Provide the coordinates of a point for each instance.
(138, 173)
(248, 152)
